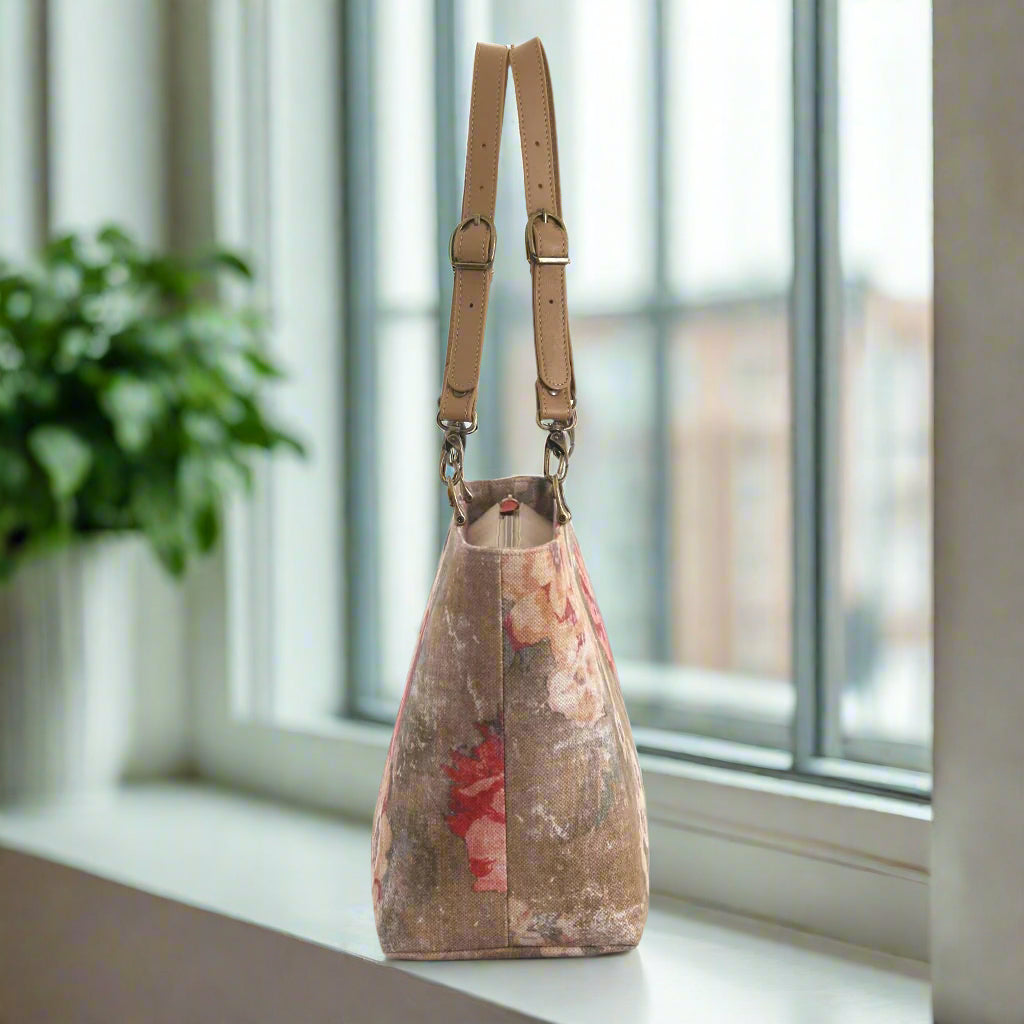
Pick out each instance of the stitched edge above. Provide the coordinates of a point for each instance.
(499, 103)
(545, 89)
(453, 340)
(523, 139)
(474, 954)
(467, 191)
(504, 734)
(545, 79)
(538, 274)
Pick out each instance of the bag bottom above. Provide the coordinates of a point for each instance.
(510, 953)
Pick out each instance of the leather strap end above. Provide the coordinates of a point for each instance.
(455, 408)
(551, 327)
(466, 329)
(556, 406)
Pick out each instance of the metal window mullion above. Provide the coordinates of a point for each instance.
(257, 92)
(804, 361)
(361, 583)
(661, 321)
(831, 641)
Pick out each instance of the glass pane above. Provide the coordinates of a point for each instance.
(884, 432)
(729, 526)
(729, 141)
(727, 672)
(605, 139)
(407, 488)
(611, 481)
(731, 490)
(299, 518)
(681, 480)
(404, 152)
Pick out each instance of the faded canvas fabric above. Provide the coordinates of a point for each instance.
(510, 820)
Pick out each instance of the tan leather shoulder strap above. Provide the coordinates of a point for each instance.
(474, 238)
(472, 255)
(547, 241)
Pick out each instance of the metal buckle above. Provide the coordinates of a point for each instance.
(492, 242)
(531, 242)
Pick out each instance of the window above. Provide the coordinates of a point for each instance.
(751, 268)
(767, 611)
(691, 146)
(881, 360)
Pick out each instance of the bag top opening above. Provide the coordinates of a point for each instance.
(534, 516)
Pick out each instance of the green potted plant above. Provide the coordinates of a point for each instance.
(131, 406)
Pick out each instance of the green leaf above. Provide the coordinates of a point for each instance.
(171, 276)
(262, 365)
(232, 261)
(62, 249)
(207, 526)
(154, 500)
(132, 396)
(281, 439)
(64, 456)
(133, 406)
(118, 239)
(14, 469)
(171, 555)
(202, 428)
(230, 474)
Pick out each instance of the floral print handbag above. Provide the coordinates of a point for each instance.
(510, 820)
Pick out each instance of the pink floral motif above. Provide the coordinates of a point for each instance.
(543, 609)
(476, 807)
(572, 688)
(588, 596)
(542, 600)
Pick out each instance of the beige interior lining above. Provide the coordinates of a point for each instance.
(534, 529)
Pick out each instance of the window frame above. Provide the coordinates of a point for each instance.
(815, 749)
(846, 859)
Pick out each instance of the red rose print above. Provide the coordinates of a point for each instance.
(476, 807)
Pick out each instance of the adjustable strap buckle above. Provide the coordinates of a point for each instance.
(492, 242)
(531, 240)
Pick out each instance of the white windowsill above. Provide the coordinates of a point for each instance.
(307, 874)
(848, 865)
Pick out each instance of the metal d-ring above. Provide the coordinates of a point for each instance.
(559, 445)
(450, 469)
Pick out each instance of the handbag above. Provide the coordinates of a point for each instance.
(510, 821)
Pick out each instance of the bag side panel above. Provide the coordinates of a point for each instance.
(439, 830)
(577, 851)
(626, 742)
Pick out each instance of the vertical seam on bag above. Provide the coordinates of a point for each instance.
(504, 732)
